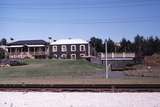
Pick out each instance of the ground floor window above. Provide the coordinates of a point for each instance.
(64, 56)
(82, 55)
(55, 55)
(73, 56)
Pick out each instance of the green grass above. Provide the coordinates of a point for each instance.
(63, 72)
(45, 68)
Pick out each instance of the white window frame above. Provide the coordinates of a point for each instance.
(81, 48)
(64, 56)
(74, 48)
(54, 48)
(81, 55)
(74, 57)
(63, 48)
(55, 55)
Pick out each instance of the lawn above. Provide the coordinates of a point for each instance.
(63, 72)
(52, 68)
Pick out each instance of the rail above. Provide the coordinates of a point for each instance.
(82, 87)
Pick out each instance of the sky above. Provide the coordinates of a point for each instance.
(59, 19)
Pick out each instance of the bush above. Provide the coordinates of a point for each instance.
(17, 63)
(2, 55)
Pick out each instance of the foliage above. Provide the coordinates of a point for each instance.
(110, 45)
(97, 43)
(141, 46)
(3, 41)
(2, 55)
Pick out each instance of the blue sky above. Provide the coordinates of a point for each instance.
(39, 19)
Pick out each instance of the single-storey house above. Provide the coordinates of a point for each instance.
(28, 49)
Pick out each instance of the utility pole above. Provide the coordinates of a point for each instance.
(106, 59)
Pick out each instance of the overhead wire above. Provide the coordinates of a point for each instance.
(104, 4)
(89, 4)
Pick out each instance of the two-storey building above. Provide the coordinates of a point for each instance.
(70, 48)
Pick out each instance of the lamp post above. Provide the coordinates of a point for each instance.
(106, 59)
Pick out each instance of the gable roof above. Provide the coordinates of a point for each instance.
(29, 42)
(69, 41)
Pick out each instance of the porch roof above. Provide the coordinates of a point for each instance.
(20, 46)
(15, 46)
(29, 42)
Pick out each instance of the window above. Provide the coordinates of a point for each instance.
(73, 47)
(55, 55)
(54, 48)
(63, 48)
(64, 56)
(82, 48)
(82, 55)
(73, 56)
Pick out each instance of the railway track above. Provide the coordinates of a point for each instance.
(81, 87)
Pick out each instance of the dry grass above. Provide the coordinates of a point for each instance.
(64, 72)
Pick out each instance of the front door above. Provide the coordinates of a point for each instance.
(73, 56)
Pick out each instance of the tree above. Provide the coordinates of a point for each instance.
(3, 41)
(110, 45)
(123, 45)
(2, 53)
(130, 46)
(141, 46)
(157, 45)
(139, 43)
(146, 47)
(97, 43)
(151, 48)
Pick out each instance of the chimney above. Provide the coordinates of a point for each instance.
(50, 39)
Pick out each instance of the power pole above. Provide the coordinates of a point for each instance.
(106, 59)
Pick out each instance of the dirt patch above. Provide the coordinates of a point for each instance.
(144, 71)
(153, 60)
